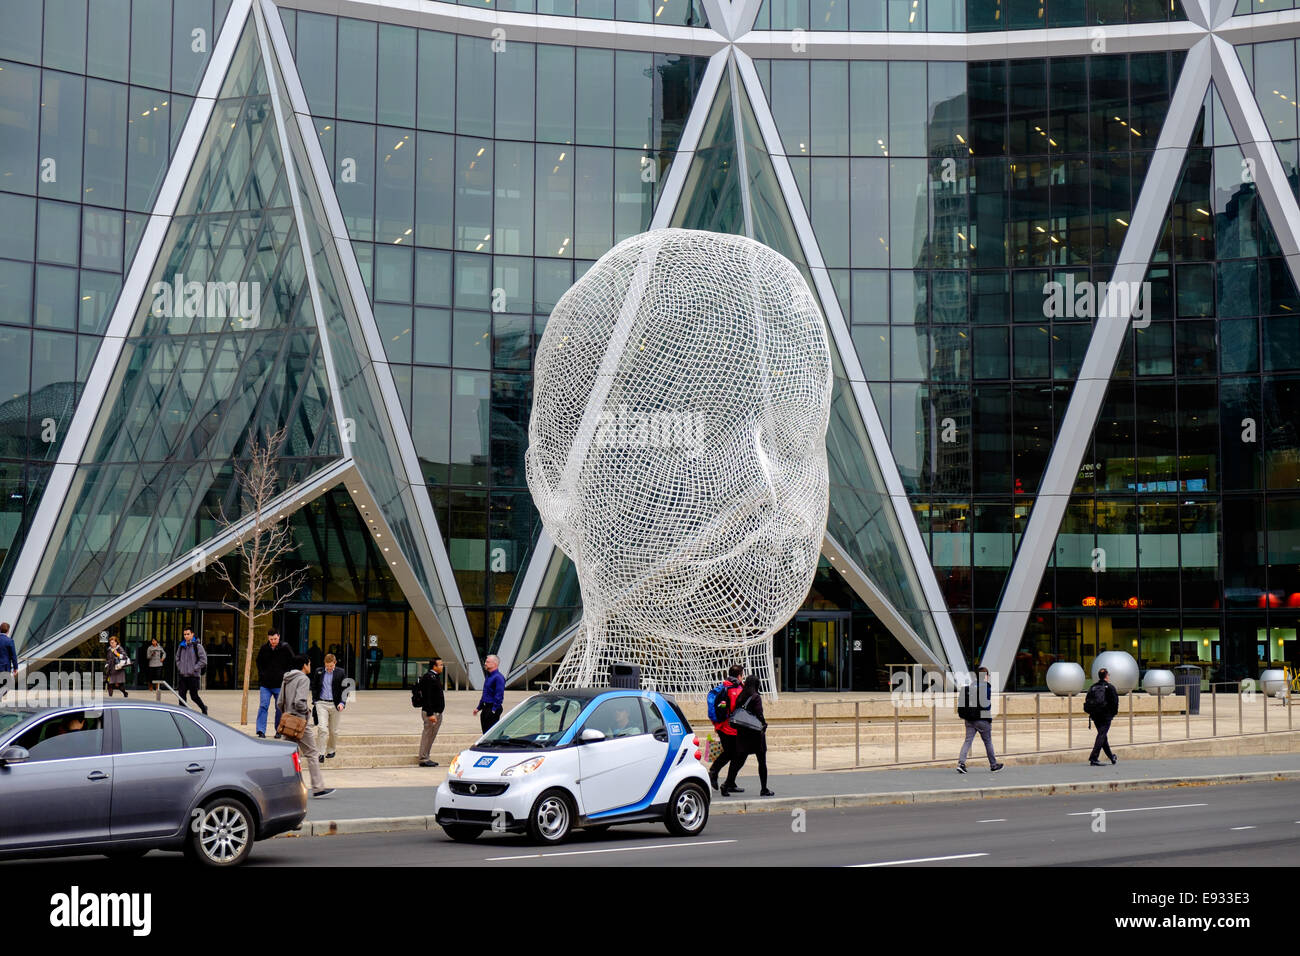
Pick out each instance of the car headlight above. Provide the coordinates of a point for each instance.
(519, 769)
(456, 770)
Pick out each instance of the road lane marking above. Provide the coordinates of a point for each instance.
(1244, 828)
(998, 820)
(617, 849)
(1172, 806)
(923, 859)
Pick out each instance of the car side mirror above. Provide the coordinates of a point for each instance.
(591, 735)
(13, 755)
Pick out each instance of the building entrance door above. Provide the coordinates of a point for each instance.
(317, 633)
(816, 655)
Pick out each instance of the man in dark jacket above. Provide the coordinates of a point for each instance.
(273, 660)
(329, 694)
(975, 706)
(727, 733)
(8, 660)
(432, 703)
(1102, 713)
(191, 662)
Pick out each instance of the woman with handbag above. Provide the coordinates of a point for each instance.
(295, 709)
(115, 664)
(751, 731)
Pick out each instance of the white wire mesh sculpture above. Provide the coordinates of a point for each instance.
(677, 454)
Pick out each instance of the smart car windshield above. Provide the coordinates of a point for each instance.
(540, 722)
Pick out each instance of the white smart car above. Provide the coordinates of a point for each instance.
(579, 759)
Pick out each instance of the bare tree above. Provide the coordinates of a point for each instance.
(262, 587)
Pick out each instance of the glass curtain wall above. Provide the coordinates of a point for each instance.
(476, 187)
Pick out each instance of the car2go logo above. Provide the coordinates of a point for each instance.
(485, 761)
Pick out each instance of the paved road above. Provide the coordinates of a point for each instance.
(1244, 824)
(353, 802)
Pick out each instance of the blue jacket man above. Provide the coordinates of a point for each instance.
(8, 653)
(492, 702)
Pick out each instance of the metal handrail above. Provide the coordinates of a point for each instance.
(1038, 716)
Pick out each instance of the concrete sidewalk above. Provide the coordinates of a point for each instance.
(377, 809)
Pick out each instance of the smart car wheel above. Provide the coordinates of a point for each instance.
(551, 817)
(222, 835)
(688, 810)
(462, 832)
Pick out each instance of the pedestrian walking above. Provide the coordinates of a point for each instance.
(751, 737)
(273, 660)
(975, 706)
(1101, 704)
(722, 700)
(432, 702)
(295, 699)
(115, 664)
(328, 696)
(8, 660)
(492, 702)
(156, 656)
(191, 662)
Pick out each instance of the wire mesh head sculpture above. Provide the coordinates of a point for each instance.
(677, 454)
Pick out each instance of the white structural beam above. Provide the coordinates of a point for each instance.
(881, 606)
(1251, 129)
(52, 516)
(675, 181)
(372, 353)
(915, 554)
(1004, 45)
(528, 27)
(183, 567)
(1108, 337)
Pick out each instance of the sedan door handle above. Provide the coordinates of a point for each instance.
(194, 768)
(97, 775)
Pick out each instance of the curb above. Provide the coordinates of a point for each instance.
(985, 793)
(321, 828)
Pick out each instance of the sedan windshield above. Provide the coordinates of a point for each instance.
(540, 722)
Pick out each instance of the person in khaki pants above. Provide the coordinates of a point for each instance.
(432, 704)
(329, 694)
(295, 698)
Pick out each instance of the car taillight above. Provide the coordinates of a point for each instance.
(297, 764)
(698, 755)
(695, 741)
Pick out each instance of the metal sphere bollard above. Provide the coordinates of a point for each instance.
(1066, 678)
(1122, 668)
(1158, 681)
(1273, 683)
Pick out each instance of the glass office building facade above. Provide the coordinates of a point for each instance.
(1023, 469)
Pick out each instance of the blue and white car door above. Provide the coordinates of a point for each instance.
(620, 770)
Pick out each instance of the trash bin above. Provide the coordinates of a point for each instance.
(1187, 683)
(627, 676)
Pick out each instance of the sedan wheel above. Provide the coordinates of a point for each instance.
(551, 817)
(688, 810)
(222, 835)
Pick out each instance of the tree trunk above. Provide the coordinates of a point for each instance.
(248, 668)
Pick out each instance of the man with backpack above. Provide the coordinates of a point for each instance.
(427, 694)
(722, 701)
(975, 706)
(1101, 705)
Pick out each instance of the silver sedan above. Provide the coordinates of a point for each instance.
(130, 777)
